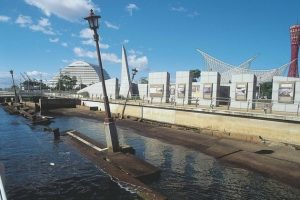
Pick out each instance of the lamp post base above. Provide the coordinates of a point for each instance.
(111, 135)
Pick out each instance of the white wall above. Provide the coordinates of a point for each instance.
(159, 78)
(250, 80)
(183, 78)
(143, 91)
(280, 106)
(95, 90)
(210, 78)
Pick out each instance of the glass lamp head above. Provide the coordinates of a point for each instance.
(93, 20)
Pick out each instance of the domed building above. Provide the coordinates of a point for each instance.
(84, 72)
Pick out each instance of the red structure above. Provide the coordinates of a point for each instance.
(295, 41)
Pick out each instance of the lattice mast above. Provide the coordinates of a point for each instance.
(295, 41)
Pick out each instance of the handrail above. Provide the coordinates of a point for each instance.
(2, 191)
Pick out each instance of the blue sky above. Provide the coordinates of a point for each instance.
(41, 36)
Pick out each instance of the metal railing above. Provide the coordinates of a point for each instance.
(259, 106)
(2, 190)
(263, 106)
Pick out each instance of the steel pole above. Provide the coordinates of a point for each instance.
(109, 124)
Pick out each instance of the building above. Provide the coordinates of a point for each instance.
(84, 72)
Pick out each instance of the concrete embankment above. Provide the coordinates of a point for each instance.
(126, 169)
(281, 162)
(245, 126)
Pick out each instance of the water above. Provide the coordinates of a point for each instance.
(186, 174)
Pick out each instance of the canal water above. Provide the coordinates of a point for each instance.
(39, 168)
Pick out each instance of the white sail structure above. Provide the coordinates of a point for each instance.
(227, 70)
(125, 77)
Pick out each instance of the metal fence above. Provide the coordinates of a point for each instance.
(262, 106)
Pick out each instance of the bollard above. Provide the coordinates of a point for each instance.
(56, 133)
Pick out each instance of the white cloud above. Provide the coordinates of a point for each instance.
(83, 53)
(44, 22)
(141, 63)
(110, 57)
(131, 51)
(4, 18)
(91, 42)
(103, 46)
(39, 28)
(88, 42)
(86, 33)
(71, 10)
(131, 7)
(23, 21)
(110, 25)
(54, 40)
(37, 74)
(179, 9)
(43, 25)
(193, 14)
(64, 44)
(125, 41)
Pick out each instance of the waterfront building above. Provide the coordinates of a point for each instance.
(84, 72)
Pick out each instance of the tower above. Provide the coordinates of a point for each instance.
(125, 78)
(295, 41)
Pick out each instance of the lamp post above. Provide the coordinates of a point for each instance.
(134, 71)
(109, 124)
(14, 86)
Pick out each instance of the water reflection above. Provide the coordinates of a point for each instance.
(186, 174)
(37, 167)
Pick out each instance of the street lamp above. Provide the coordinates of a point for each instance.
(109, 124)
(134, 71)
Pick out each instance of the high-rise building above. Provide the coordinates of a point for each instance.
(295, 41)
(84, 72)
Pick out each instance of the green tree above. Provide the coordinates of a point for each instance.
(34, 84)
(266, 89)
(66, 82)
(195, 75)
(143, 80)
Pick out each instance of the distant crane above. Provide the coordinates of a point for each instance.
(14, 86)
(25, 79)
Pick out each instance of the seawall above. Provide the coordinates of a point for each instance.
(237, 125)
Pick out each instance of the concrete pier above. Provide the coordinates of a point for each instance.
(126, 169)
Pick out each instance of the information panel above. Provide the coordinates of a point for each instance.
(286, 92)
(156, 90)
(196, 91)
(181, 91)
(241, 91)
(172, 90)
(207, 90)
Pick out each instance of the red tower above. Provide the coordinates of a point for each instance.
(295, 41)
